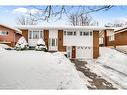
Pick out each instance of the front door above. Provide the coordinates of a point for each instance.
(73, 52)
(53, 44)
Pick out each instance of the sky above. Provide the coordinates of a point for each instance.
(9, 14)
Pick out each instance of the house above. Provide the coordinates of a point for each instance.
(106, 37)
(114, 38)
(9, 35)
(121, 38)
(78, 42)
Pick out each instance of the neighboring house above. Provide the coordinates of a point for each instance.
(121, 38)
(78, 42)
(107, 38)
(116, 38)
(9, 35)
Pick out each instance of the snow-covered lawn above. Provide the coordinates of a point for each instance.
(112, 65)
(37, 70)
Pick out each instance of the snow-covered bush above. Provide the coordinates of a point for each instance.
(21, 44)
(41, 45)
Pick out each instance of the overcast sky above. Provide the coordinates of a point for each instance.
(8, 15)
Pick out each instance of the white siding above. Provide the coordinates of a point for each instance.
(84, 52)
(53, 33)
(110, 32)
(78, 40)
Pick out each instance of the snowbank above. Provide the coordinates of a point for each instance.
(38, 70)
(5, 46)
(2, 49)
(113, 59)
(113, 65)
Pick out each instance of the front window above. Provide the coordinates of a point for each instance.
(4, 33)
(35, 34)
(85, 33)
(70, 33)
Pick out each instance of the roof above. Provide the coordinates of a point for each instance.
(121, 29)
(60, 27)
(17, 30)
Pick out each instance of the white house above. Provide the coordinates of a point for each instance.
(78, 42)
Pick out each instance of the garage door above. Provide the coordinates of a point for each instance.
(84, 52)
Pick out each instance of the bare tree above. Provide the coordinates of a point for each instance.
(26, 20)
(46, 12)
(82, 20)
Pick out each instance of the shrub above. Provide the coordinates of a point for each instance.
(21, 44)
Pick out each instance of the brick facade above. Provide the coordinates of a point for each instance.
(60, 41)
(95, 44)
(11, 38)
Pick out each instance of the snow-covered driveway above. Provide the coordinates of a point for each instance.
(37, 70)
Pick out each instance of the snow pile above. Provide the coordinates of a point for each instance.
(21, 44)
(2, 49)
(5, 46)
(38, 70)
(41, 45)
(113, 59)
(112, 65)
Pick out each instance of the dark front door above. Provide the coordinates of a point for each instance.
(73, 52)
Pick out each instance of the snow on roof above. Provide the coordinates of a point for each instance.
(60, 27)
(120, 28)
(17, 30)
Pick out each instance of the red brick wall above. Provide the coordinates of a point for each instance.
(17, 37)
(46, 37)
(8, 38)
(121, 38)
(60, 41)
(110, 43)
(106, 40)
(95, 44)
(25, 34)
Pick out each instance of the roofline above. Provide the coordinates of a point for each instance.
(60, 27)
(16, 30)
(121, 29)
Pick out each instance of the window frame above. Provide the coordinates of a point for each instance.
(4, 33)
(70, 33)
(39, 34)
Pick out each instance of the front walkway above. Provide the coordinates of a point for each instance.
(96, 82)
